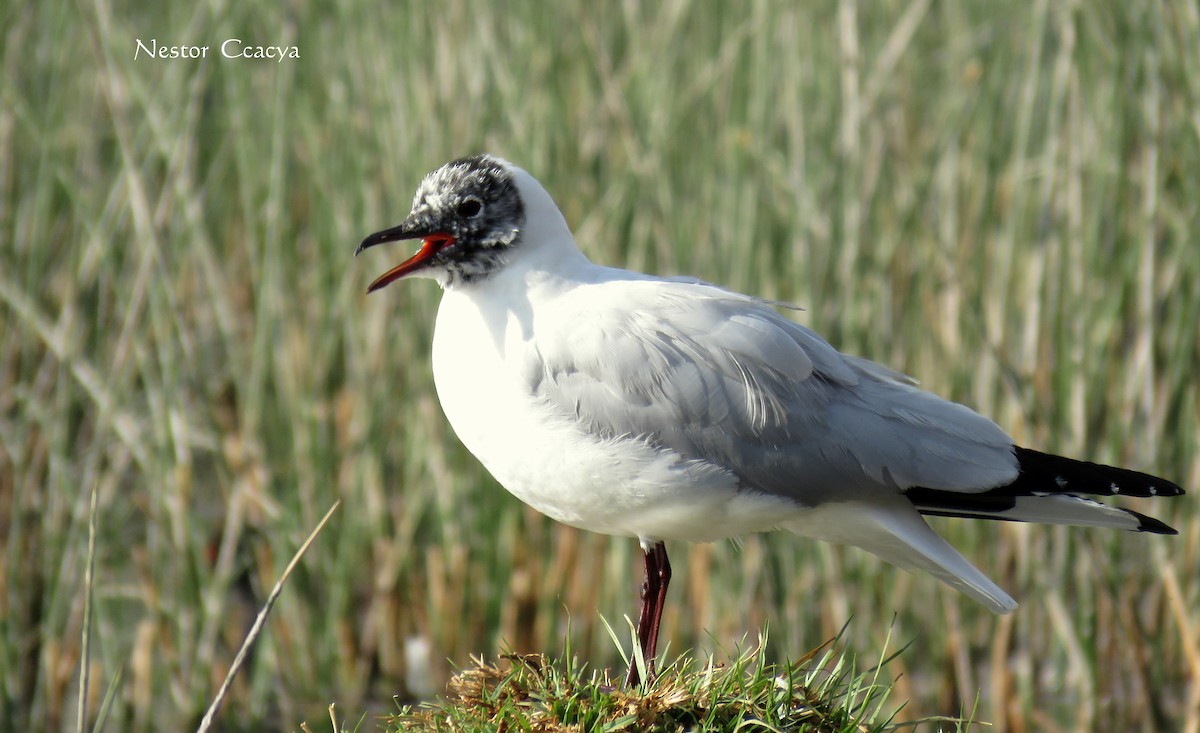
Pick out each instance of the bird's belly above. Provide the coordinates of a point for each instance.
(613, 485)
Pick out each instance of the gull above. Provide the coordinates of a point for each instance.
(663, 408)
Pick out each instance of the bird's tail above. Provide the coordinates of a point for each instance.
(1047, 491)
(900, 536)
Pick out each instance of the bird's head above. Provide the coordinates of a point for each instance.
(468, 215)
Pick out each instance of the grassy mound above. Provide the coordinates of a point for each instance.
(823, 692)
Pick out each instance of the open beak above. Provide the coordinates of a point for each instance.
(432, 242)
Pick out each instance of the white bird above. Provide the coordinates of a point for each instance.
(673, 409)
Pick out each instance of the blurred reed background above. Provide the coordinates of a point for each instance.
(1002, 200)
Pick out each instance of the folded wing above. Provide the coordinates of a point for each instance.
(722, 378)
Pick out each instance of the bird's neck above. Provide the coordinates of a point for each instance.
(539, 263)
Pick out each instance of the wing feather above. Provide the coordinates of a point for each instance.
(724, 378)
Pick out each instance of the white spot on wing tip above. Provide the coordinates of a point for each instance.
(1114, 488)
(1060, 481)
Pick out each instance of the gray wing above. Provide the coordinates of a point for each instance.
(723, 378)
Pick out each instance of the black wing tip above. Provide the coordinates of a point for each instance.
(1071, 476)
(1145, 523)
(1150, 524)
(1170, 489)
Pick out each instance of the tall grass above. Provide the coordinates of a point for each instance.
(1001, 201)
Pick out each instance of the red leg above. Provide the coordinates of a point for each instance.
(663, 568)
(656, 576)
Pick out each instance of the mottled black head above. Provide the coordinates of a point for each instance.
(469, 216)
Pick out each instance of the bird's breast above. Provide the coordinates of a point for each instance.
(545, 457)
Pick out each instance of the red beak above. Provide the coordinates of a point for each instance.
(431, 244)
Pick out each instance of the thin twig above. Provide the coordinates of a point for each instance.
(256, 629)
(88, 582)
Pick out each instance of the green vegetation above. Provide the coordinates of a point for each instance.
(822, 693)
(1000, 200)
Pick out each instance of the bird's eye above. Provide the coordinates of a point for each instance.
(470, 208)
